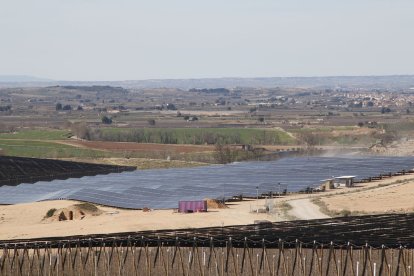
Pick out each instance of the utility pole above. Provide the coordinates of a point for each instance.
(278, 196)
(278, 189)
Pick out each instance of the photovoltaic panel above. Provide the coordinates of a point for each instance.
(163, 188)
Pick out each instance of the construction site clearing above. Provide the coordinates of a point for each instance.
(24, 221)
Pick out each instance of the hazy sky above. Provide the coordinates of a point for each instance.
(133, 39)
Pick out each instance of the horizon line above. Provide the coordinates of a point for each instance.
(46, 80)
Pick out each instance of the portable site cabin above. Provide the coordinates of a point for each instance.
(193, 206)
(345, 181)
(327, 184)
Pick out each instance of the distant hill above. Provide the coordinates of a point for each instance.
(21, 78)
(372, 82)
(380, 82)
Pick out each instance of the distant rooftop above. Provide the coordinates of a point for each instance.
(345, 177)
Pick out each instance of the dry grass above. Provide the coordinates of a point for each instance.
(142, 163)
(284, 208)
(334, 213)
(87, 207)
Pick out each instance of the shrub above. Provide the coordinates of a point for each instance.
(285, 206)
(67, 107)
(106, 120)
(50, 212)
(345, 213)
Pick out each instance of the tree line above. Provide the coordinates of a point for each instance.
(172, 136)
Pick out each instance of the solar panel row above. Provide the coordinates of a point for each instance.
(163, 188)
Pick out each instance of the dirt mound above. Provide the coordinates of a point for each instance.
(215, 204)
(74, 212)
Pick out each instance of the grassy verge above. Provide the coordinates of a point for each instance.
(284, 208)
(335, 213)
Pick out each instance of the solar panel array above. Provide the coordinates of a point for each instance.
(163, 188)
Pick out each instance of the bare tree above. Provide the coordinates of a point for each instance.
(310, 139)
(81, 130)
(388, 137)
(224, 154)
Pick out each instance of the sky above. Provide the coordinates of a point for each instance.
(158, 39)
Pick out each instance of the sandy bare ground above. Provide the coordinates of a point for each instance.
(305, 209)
(390, 195)
(393, 198)
(26, 220)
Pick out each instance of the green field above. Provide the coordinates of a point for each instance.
(197, 136)
(27, 148)
(36, 134)
(50, 149)
(44, 144)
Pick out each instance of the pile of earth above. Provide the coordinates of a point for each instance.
(215, 204)
(73, 212)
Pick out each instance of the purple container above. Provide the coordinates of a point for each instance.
(192, 206)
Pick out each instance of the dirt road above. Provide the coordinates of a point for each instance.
(305, 209)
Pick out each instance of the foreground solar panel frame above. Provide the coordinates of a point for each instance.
(163, 188)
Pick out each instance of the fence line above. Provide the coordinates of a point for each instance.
(390, 230)
(137, 257)
(366, 245)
